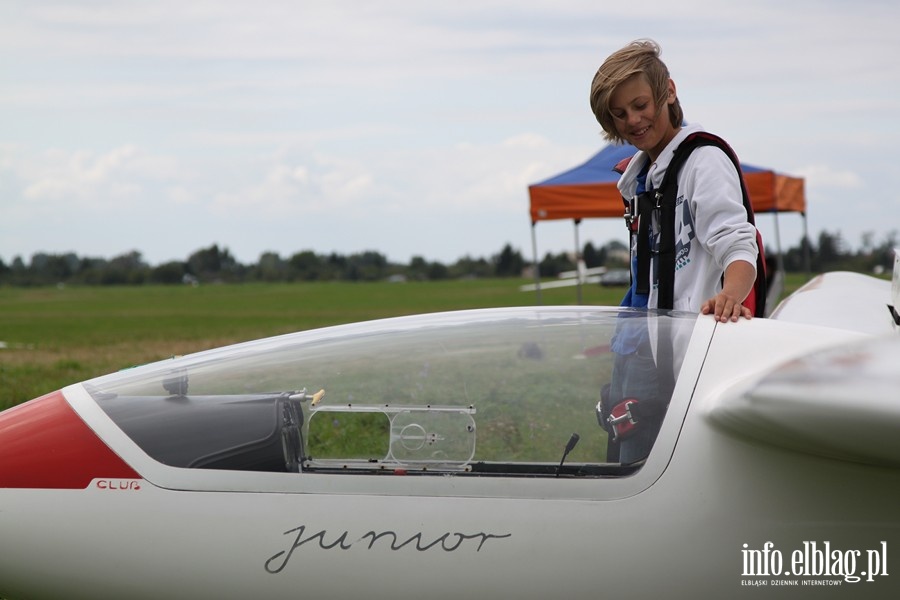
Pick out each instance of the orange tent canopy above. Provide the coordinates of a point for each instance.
(589, 190)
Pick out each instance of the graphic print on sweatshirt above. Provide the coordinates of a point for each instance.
(684, 233)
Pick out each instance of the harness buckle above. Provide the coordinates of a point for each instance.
(631, 214)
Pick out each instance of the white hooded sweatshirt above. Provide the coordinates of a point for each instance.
(711, 227)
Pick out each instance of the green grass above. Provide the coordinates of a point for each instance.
(57, 336)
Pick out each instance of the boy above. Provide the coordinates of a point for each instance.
(715, 249)
(634, 99)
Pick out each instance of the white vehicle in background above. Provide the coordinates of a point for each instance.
(470, 455)
(616, 277)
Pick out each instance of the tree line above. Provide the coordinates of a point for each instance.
(217, 264)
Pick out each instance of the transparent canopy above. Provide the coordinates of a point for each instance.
(490, 392)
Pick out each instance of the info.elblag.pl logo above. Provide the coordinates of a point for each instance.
(818, 560)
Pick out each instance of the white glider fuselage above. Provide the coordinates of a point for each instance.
(715, 505)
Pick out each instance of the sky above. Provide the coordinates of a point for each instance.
(410, 128)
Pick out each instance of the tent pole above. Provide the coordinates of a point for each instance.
(780, 264)
(775, 281)
(806, 258)
(579, 272)
(536, 266)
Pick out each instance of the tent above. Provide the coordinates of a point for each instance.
(589, 191)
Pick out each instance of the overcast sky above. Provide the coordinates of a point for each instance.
(406, 127)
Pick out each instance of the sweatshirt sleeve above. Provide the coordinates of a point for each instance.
(710, 183)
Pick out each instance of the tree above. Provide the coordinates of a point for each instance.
(366, 266)
(593, 257)
(884, 252)
(508, 263)
(437, 271)
(53, 268)
(271, 267)
(127, 268)
(470, 267)
(307, 266)
(211, 264)
(553, 265)
(418, 268)
(794, 259)
(829, 252)
(172, 272)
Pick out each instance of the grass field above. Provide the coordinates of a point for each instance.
(51, 337)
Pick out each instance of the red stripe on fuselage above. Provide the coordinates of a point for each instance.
(45, 444)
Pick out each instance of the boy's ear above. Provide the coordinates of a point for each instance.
(670, 99)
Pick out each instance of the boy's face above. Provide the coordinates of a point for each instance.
(637, 118)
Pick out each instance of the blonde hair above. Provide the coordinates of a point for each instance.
(640, 57)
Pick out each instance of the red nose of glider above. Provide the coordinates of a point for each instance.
(46, 445)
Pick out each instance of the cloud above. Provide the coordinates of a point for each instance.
(459, 179)
(823, 176)
(283, 190)
(94, 180)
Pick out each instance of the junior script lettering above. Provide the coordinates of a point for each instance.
(448, 542)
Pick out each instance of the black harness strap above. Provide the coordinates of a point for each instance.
(663, 202)
(666, 250)
(646, 204)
